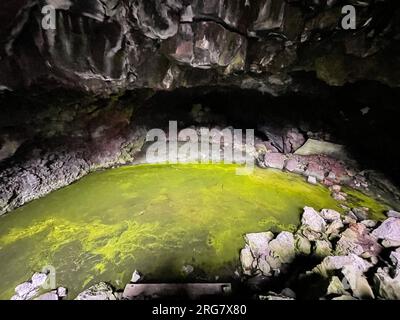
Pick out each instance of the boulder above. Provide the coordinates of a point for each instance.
(361, 213)
(393, 214)
(26, 291)
(357, 240)
(29, 289)
(312, 147)
(274, 160)
(312, 220)
(282, 247)
(302, 245)
(264, 266)
(295, 165)
(100, 291)
(387, 287)
(389, 232)
(344, 297)
(333, 263)
(258, 243)
(246, 258)
(323, 248)
(312, 180)
(330, 215)
(334, 228)
(52, 295)
(358, 282)
(336, 287)
(350, 218)
(369, 223)
(339, 196)
(395, 259)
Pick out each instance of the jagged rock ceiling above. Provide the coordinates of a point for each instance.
(270, 45)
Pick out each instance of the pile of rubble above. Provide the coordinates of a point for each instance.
(357, 258)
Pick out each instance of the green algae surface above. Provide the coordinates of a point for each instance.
(153, 218)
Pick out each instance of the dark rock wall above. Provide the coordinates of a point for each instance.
(108, 46)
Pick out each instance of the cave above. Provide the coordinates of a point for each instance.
(188, 150)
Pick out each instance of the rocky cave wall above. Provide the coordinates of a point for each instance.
(81, 97)
(268, 45)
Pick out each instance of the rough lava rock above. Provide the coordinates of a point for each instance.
(104, 46)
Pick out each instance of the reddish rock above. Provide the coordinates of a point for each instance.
(275, 160)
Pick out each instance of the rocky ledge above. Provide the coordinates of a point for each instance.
(342, 258)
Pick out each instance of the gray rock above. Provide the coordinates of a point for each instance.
(369, 223)
(387, 287)
(287, 292)
(332, 263)
(360, 213)
(334, 228)
(323, 248)
(264, 266)
(258, 243)
(336, 287)
(246, 259)
(358, 282)
(302, 245)
(393, 214)
(282, 247)
(330, 215)
(350, 218)
(389, 232)
(100, 291)
(395, 259)
(345, 297)
(187, 269)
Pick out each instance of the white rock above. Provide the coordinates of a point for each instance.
(358, 283)
(389, 231)
(136, 276)
(338, 262)
(369, 223)
(258, 243)
(283, 247)
(246, 258)
(48, 296)
(62, 292)
(100, 291)
(39, 279)
(264, 267)
(312, 220)
(312, 180)
(24, 289)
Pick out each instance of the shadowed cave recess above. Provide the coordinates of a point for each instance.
(77, 102)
